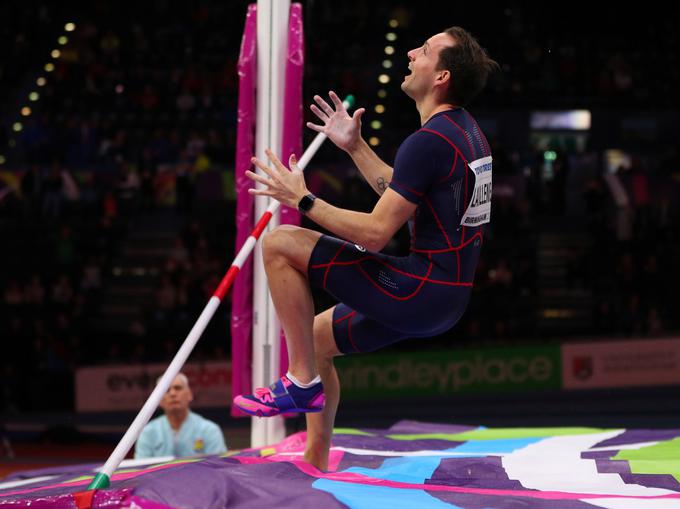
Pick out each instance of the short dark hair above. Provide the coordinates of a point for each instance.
(469, 64)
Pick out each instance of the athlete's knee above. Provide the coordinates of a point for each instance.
(278, 243)
(288, 244)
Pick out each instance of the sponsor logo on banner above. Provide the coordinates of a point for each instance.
(450, 372)
(114, 388)
(628, 363)
(582, 367)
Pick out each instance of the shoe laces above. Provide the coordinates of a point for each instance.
(263, 394)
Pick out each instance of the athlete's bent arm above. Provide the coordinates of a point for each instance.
(376, 172)
(372, 230)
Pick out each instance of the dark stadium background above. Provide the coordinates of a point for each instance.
(139, 114)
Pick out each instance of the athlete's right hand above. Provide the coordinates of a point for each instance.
(341, 129)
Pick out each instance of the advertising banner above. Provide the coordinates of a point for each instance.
(630, 363)
(450, 372)
(115, 388)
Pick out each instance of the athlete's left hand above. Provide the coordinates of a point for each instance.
(284, 185)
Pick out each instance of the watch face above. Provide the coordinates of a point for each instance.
(306, 203)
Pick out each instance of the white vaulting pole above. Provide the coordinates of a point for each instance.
(103, 478)
(272, 47)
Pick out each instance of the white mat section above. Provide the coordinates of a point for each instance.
(555, 464)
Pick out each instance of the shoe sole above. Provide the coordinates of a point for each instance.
(260, 413)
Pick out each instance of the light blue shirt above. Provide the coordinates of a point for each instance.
(197, 435)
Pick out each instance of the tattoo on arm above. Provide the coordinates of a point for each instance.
(382, 183)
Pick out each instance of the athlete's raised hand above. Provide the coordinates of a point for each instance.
(284, 185)
(341, 129)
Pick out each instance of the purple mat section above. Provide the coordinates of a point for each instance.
(635, 436)
(487, 502)
(368, 469)
(474, 473)
(379, 443)
(665, 481)
(419, 428)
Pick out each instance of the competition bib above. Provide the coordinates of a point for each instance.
(479, 209)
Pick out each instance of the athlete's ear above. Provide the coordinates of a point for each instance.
(444, 75)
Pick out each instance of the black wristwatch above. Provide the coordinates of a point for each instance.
(305, 203)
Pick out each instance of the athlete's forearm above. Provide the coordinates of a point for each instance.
(358, 227)
(376, 172)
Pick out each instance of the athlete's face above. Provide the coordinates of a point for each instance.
(423, 66)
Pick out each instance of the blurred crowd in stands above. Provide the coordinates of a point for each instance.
(54, 271)
(138, 118)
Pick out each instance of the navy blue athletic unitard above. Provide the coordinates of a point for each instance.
(444, 168)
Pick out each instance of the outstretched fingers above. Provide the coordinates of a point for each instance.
(322, 116)
(257, 178)
(261, 192)
(282, 169)
(324, 105)
(316, 127)
(261, 165)
(292, 163)
(262, 180)
(336, 101)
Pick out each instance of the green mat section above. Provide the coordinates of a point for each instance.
(662, 458)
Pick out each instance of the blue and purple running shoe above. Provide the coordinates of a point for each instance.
(281, 397)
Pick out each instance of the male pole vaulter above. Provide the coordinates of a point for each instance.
(440, 184)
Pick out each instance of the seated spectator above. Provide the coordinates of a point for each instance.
(14, 297)
(501, 275)
(34, 291)
(166, 296)
(62, 291)
(179, 432)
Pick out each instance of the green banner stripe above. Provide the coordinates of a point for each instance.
(451, 372)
